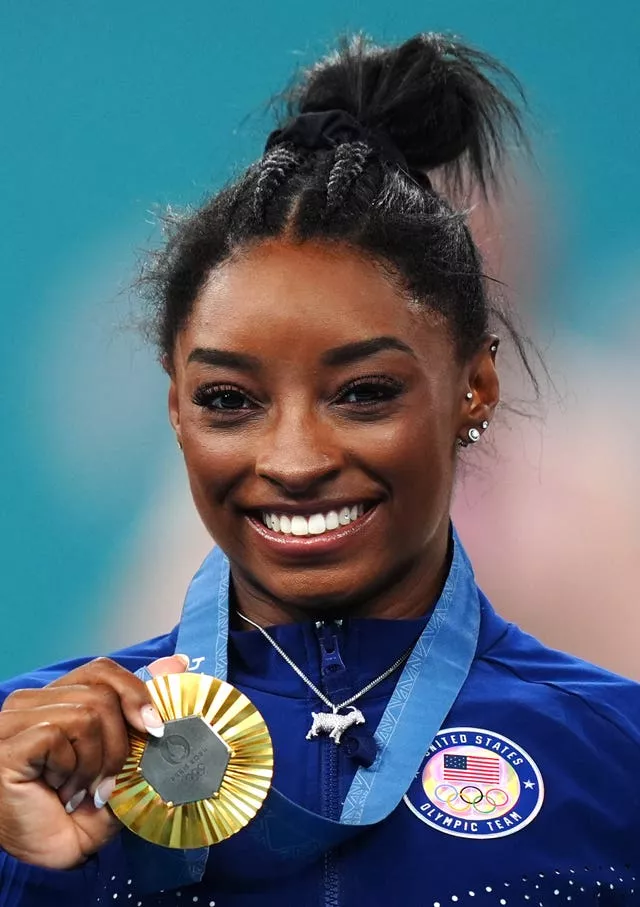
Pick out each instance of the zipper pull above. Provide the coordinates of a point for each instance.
(330, 659)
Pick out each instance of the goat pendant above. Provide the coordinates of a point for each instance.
(333, 724)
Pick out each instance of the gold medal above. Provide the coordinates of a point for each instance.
(207, 777)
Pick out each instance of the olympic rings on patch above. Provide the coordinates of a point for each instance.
(471, 797)
(464, 796)
(439, 791)
(497, 797)
(484, 808)
(459, 807)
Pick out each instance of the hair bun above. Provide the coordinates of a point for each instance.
(438, 100)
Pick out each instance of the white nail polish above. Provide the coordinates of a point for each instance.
(103, 792)
(75, 801)
(150, 720)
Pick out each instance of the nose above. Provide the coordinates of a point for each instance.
(299, 453)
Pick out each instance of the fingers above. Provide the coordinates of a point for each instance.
(34, 825)
(135, 701)
(91, 707)
(82, 726)
(133, 696)
(36, 751)
(82, 712)
(172, 664)
(103, 791)
(79, 710)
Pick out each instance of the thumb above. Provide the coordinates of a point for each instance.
(170, 664)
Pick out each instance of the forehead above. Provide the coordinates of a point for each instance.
(307, 295)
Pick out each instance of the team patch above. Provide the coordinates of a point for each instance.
(476, 784)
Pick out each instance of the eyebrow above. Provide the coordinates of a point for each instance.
(361, 349)
(226, 358)
(340, 355)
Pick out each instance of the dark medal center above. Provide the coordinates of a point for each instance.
(186, 764)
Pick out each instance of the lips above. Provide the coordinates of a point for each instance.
(305, 535)
(313, 523)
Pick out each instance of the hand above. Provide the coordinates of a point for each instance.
(60, 749)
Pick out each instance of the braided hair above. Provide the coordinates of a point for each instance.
(429, 104)
(347, 166)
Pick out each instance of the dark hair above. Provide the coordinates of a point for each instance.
(438, 102)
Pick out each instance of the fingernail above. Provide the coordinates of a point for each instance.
(183, 658)
(152, 721)
(75, 801)
(103, 792)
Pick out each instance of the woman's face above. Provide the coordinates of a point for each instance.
(319, 412)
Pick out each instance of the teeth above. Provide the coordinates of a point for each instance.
(315, 524)
(299, 526)
(331, 520)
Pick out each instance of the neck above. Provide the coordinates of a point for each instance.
(409, 594)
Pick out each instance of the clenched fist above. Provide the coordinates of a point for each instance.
(60, 749)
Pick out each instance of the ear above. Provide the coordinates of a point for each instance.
(481, 390)
(174, 409)
(168, 365)
(174, 400)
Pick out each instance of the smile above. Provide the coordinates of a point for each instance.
(313, 524)
(304, 535)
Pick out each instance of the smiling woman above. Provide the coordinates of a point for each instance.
(331, 347)
(343, 408)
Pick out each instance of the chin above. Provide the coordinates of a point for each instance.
(321, 591)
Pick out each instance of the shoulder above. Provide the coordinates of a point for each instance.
(131, 658)
(555, 684)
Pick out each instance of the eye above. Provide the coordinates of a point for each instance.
(370, 391)
(222, 398)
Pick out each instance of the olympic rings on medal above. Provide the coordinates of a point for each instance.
(497, 797)
(441, 788)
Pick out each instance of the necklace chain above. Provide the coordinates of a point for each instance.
(334, 708)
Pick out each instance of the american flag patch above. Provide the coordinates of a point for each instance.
(478, 769)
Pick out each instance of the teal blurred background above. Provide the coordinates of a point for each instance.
(112, 110)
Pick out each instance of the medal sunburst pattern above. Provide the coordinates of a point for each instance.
(246, 780)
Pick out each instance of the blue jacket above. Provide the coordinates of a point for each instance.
(529, 795)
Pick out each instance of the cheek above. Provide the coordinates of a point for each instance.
(214, 462)
(416, 457)
(410, 444)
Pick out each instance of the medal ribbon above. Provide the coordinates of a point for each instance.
(424, 694)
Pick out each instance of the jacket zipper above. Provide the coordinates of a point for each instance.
(331, 667)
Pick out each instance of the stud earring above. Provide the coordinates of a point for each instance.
(474, 435)
(494, 348)
(469, 395)
(485, 425)
(179, 442)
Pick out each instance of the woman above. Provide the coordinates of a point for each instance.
(325, 326)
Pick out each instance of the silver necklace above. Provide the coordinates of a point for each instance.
(331, 723)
